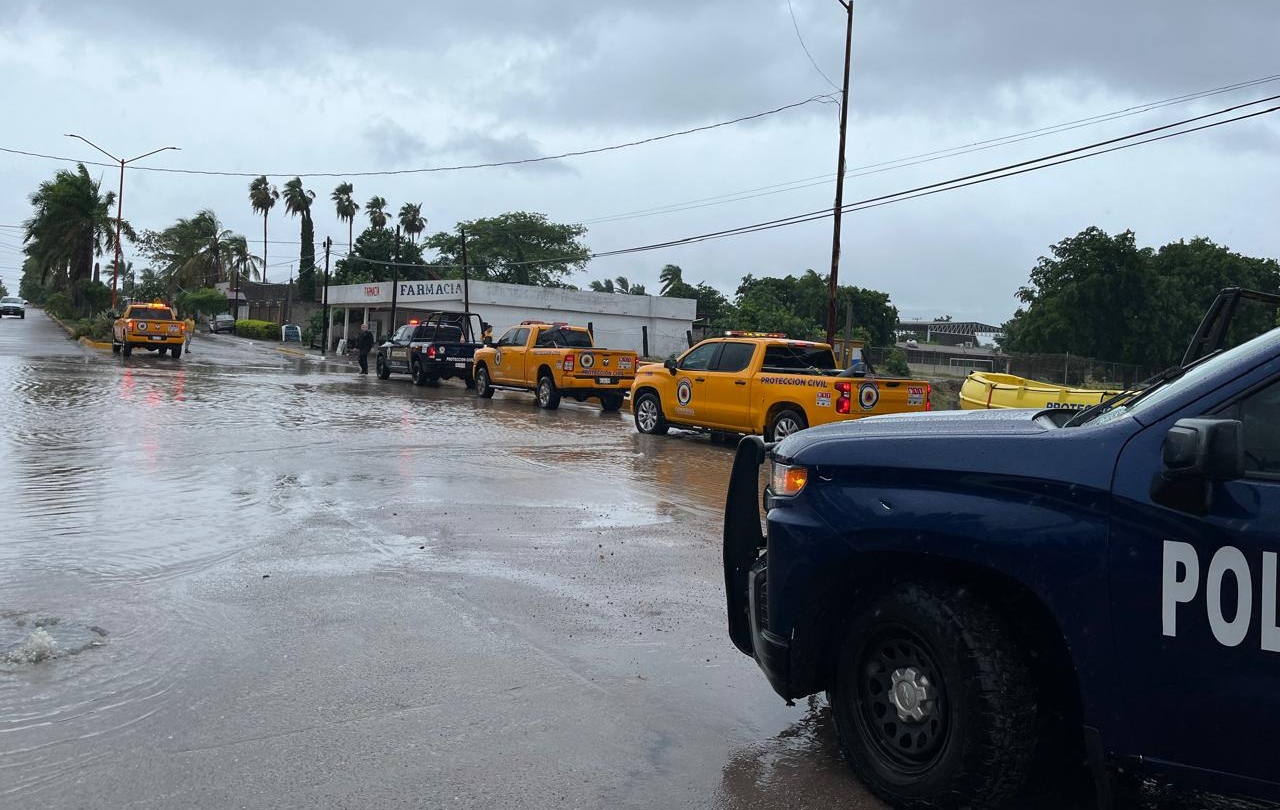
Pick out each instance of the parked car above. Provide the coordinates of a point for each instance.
(12, 305)
(222, 323)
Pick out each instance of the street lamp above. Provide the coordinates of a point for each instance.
(115, 270)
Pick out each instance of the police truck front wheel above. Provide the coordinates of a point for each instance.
(548, 396)
(419, 374)
(934, 704)
(648, 413)
(483, 387)
(384, 371)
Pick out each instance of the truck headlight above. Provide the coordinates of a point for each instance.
(788, 479)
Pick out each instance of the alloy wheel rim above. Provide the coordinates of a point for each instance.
(648, 415)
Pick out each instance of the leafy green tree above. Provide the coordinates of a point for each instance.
(412, 221)
(3, 290)
(370, 259)
(196, 252)
(375, 209)
(670, 275)
(345, 207)
(204, 301)
(520, 247)
(71, 225)
(297, 202)
(263, 196)
(895, 363)
(1105, 297)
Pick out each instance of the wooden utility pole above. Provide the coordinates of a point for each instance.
(466, 280)
(324, 330)
(395, 279)
(839, 204)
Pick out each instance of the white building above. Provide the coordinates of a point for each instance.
(651, 325)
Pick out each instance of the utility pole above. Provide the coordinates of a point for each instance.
(839, 204)
(115, 270)
(324, 330)
(466, 280)
(395, 279)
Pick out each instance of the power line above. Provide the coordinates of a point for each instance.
(931, 156)
(432, 169)
(796, 26)
(998, 173)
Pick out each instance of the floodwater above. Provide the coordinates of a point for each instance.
(248, 579)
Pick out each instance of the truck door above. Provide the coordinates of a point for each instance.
(691, 403)
(727, 388)
(508, 360)
(1194, 600)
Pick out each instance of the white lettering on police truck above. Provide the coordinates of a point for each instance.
(1177, 589)
(1180, 584)
(1229, 633)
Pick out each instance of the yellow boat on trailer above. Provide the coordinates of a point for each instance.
(983, 390)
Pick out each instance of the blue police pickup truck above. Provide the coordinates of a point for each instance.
(977, 591)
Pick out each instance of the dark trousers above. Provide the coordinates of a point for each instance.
(364, 361)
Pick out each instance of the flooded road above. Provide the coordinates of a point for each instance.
(249, 579)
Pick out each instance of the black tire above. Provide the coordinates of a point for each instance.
(611, 402)
(418, 374)
(176, 351)
(972, 742)
(548, 396)
(380, 365)
(483, 386)
(783, 424)
(648, 414)
(126, 349)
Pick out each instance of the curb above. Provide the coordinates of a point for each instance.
(95, 344)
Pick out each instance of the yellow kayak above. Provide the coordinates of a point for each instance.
(987, 390)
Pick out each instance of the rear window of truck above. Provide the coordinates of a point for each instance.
(151, 314)
(798, 358)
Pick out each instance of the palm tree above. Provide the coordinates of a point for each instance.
(71, 225)
(376, 213)
(624, 287)
(346, 208)
(605, 286)
(671, 275)
(263, 196)
(411, 220)
(239, 260)
(197, 252)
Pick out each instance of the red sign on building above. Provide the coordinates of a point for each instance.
(372, 291)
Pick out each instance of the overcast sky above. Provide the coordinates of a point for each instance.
(284, 87)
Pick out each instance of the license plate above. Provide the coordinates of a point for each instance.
(605, 380)
(459, 365)
(157, 337)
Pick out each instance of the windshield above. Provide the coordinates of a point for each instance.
(11, 300)
(1161, 392)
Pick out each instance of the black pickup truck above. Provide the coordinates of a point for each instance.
(439, 346)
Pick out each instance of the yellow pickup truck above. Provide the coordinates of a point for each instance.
(153, 327)
(554, 360)
(763, 384)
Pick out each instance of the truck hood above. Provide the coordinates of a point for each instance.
(996, 442)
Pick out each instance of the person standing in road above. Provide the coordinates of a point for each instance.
(364, 343)
(190, 323)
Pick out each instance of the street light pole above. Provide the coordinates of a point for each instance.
(324, 330)
(840, 168)
(115, 270)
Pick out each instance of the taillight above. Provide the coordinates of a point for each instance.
(431, 352)
(568, 362)
(928, 397)
(844, 402)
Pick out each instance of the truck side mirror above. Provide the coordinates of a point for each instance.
(1197, 454)
(670, 365)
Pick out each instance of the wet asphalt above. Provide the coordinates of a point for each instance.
(247, 579)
